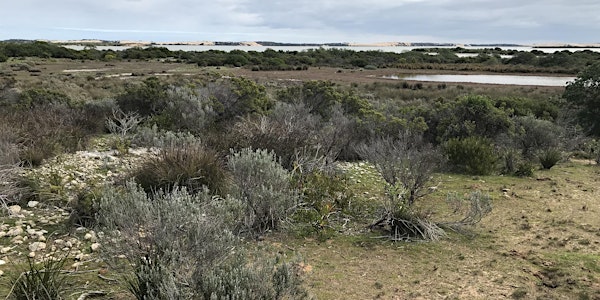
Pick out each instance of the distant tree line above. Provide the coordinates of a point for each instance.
(489, 59)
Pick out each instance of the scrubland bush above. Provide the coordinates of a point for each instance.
(406, 163)
(182, 247)
(287, 129)
(263, 185)
(535, 135)
(549, 157)
(153, 137)
(327, 200)
(192, 165)
(471, 155)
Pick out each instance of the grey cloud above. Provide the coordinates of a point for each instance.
(307, 20)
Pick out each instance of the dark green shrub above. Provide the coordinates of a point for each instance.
(326, 198)
(549, 157)
(146, 99)
(525, 169)
(84, 208)
(191, 165)
(471, 155)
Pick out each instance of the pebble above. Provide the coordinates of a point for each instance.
(32, 203)
(5, 250)
(2, 234)
(41, 238)
(35, 246)
(95, 247)
(15, 231)
(32, 254)
(59, 241)
(1, 272)
(14, 209)
(2, 262)
(88, 236)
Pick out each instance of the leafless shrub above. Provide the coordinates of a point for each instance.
(472, 208)
(406, 163)
(123, 123)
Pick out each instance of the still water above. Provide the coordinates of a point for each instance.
(490, 79)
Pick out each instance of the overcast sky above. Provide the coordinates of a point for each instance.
(365, 21)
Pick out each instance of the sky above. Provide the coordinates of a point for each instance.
(304, 21)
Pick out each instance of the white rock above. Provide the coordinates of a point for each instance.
(68, 244)
(17, 242)
(15, 231)
(2, 234)
(32, 254)
(79, 256)
(2, 262)
(32, 203)
(36, 246)
(76, 265)
(14, 209)
(41, 238)
(88, 236)
(95, 247)
(31, 231)
(1, 272)
(5, 250)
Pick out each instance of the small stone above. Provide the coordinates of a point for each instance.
(1, 272)
(76, 265)
(35, 246)
(59, 242)
(15, 231)
(32, 203)
(31, 231)
(2, 234)
(122, 256)
(41, 238)
(79, 256)
(68, 244)
(32, 254)
(14, 209)
(95, 247)
(17, 242)
(88, 236)
(2, 262)
(5, 250)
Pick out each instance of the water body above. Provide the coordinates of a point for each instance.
(490, 79)
(396, 49)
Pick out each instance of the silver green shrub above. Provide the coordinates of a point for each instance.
(263, 185)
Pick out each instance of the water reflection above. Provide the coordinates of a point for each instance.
(490, 79)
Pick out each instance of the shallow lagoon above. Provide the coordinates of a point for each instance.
(489, 79)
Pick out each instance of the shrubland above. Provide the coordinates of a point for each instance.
(229, 162)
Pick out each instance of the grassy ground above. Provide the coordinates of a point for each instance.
(541, 241)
